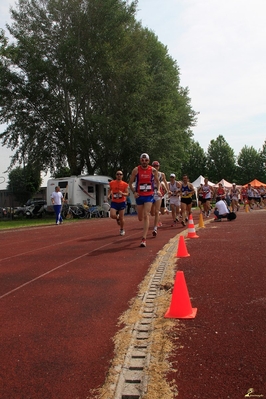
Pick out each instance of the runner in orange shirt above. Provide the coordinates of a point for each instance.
(118, 191)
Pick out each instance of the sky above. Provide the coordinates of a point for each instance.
(220, 49)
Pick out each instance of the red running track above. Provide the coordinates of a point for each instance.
(221, 352)
(62, 291)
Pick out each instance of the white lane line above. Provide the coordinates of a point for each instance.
(59, 267)
(45, 247)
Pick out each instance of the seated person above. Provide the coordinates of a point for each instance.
(221, 210)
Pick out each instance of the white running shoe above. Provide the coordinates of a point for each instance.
(143, 243)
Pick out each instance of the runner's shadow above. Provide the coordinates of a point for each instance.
(130, 246)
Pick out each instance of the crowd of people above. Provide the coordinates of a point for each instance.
(155, 196)
(151, 191)
(233, 197)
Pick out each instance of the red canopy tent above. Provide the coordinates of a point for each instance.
(255, 183)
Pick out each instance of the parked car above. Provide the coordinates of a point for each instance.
(3, 212)
(33, 208)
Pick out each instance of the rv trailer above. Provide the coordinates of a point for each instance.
(83, 189)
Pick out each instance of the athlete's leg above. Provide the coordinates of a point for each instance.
(146, 218)
(157, 206)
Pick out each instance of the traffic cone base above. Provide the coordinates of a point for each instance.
(191, 228)
(180, 307)
(182, 249)
(201, 222)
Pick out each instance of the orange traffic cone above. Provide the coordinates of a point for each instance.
(246, 208)
(180, 307)
(182, 249)
(201, 223)
(191, 228)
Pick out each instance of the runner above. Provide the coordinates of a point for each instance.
(118, 191)
(250, 195)
(220, 193)
(234, 193)
(207, 195)
(262, 192)
(200, 196)
(174, 189)
(187, 191)
(157, 198)
(144, 177)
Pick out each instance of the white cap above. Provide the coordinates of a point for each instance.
(172, 175)
(144, 155)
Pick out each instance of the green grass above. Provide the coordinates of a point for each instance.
(22, 222)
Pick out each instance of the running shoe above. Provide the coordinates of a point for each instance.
(143, 243)
(154, 233)
(117, 220)
(183, 223)
(174, 223)
(186, 219)
(159, 224)
(122, 232)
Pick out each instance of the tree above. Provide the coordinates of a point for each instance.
(250, 165)
(24, 182)
(61, 172)
(84, 86)
(220, 161)
(195, 165)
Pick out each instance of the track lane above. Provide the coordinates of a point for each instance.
(56, 330)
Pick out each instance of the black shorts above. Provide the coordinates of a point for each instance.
(187, 201)
(204, 200)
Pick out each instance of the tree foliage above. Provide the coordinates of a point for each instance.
(250, 165)
(24, 183)
(195, 164)
(84, 86)
(220, 160)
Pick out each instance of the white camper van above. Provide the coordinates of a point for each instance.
(83, 189)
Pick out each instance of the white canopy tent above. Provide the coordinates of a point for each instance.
(196, 184)
(200, 180)
(225, 183)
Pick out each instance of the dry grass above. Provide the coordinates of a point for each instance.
(162, 339)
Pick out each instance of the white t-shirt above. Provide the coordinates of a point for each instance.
(57, 197)
(221, 207)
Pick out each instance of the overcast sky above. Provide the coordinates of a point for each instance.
(220, 48)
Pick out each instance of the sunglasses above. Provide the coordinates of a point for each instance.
(119, 174)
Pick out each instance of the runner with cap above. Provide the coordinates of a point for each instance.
(187, 191)
(118, 191)
(174, 190)
(158, 197)
(144, 176)
(207, 193)
(234, 194)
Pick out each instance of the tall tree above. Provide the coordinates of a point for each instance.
(220, 161)
(263, 162)
(195, 165)
(250, 165)
(84, 86)
(24, 182)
